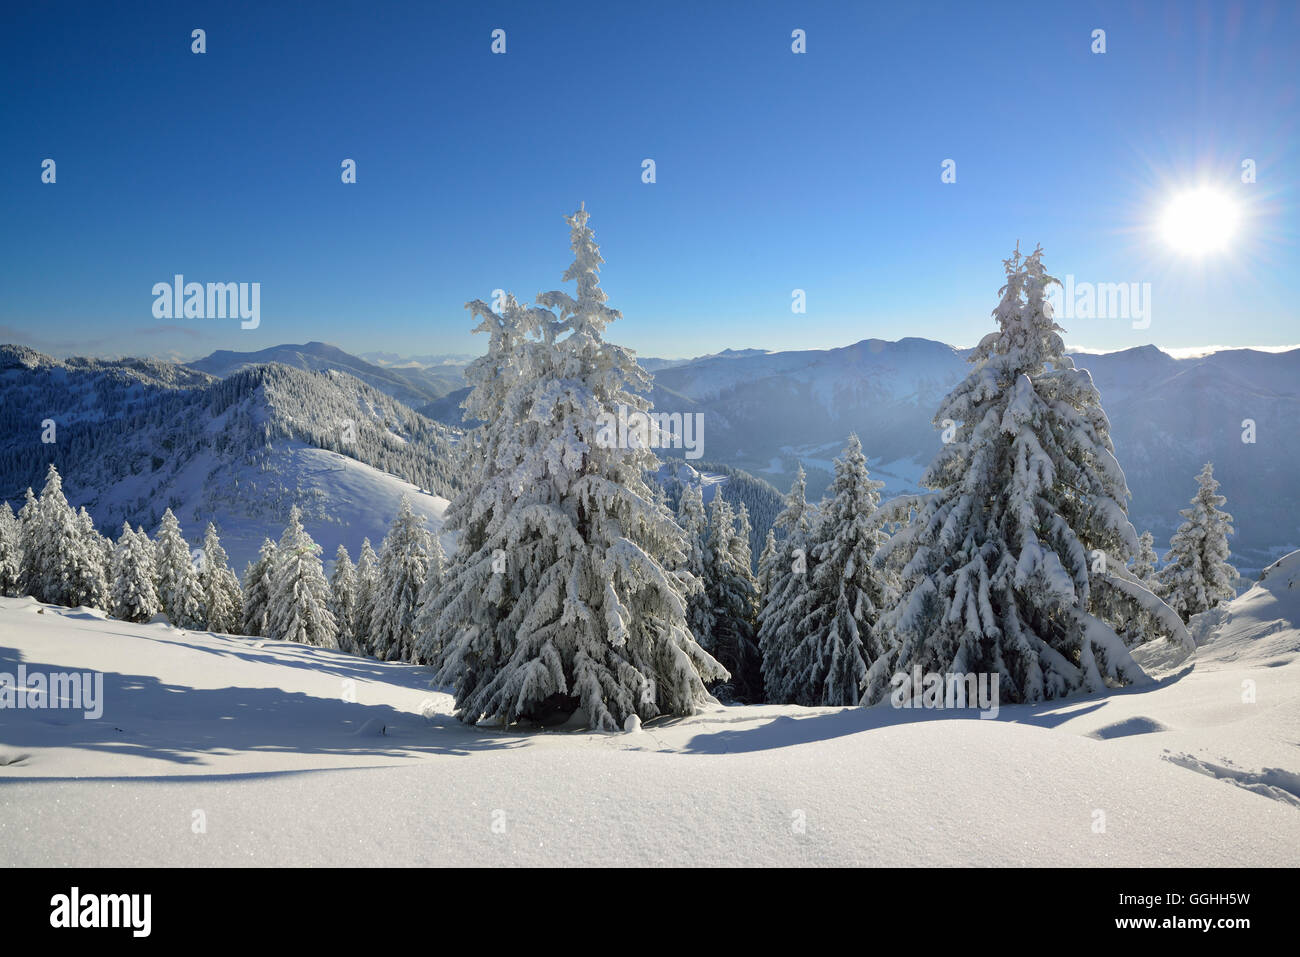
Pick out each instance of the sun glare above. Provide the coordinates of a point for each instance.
(1199, 221)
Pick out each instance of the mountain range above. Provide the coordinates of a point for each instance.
(763, 412)
(1237, 408)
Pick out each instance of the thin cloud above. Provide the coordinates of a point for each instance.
(189, 331)
(24, 337)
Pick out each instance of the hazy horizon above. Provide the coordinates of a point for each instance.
(1185, 352)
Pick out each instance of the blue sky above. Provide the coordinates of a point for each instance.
(775, 171)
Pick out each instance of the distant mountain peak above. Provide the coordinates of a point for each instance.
(413, 386)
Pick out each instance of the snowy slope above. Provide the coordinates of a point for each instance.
(343, 501)
(136, 438)
(260, 737)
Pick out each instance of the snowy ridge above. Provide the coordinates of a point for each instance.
(413, 384)
(134, 438)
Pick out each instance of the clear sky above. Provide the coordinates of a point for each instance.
(775, 170)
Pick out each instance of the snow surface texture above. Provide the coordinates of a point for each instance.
(261, 737)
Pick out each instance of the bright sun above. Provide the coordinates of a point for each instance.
(1199, 221)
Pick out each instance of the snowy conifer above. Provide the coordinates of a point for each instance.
(426, 608)
(299, 606)
(178, 580)
(767, 563)
(90, 571)
(222, 598)
(343, 598)
(787, 599)
(695, 525)
(732, 593)
(367, 589)
(257, 590)
(28, 541)
(133, 596)
(403, 568)
(11, 554)
(839, 642)
(567, 592)
(741, 549)
(1144, 563)
(1197, 576)
(57, 546)
(1010, 561)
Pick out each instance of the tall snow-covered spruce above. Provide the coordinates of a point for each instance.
(299, 604)
(223, 599)
(133, 596)
(1014, 565)
(568, 590)
(786, 599)
(426, 607)
(11, 554)
(179, 589)
(1144, 562)
(56, 552)
(732, 593)
(367, 588)
(343, 598)
(257, 590)
(1197, 575)
(838, 639)
(89, 585)
(695, 526)
(403, 568)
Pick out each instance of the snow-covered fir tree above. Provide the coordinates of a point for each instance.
(767, 563)
(343, 598)
(29, 522)
(55, 550)
(257, 590)
(299, 607)
(223, 599)
(133, 597)
(732, 593)
(741, 548)
(426, 607)
(11, 555)
(1144, 562)
(1011, 561)
(169, 546)
(828, 665)
(787, 600)
(403, 568)
(568, 591)
(695, 525)
(367, 588)
(90, 571)
(179, 589)
(1197, 576)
